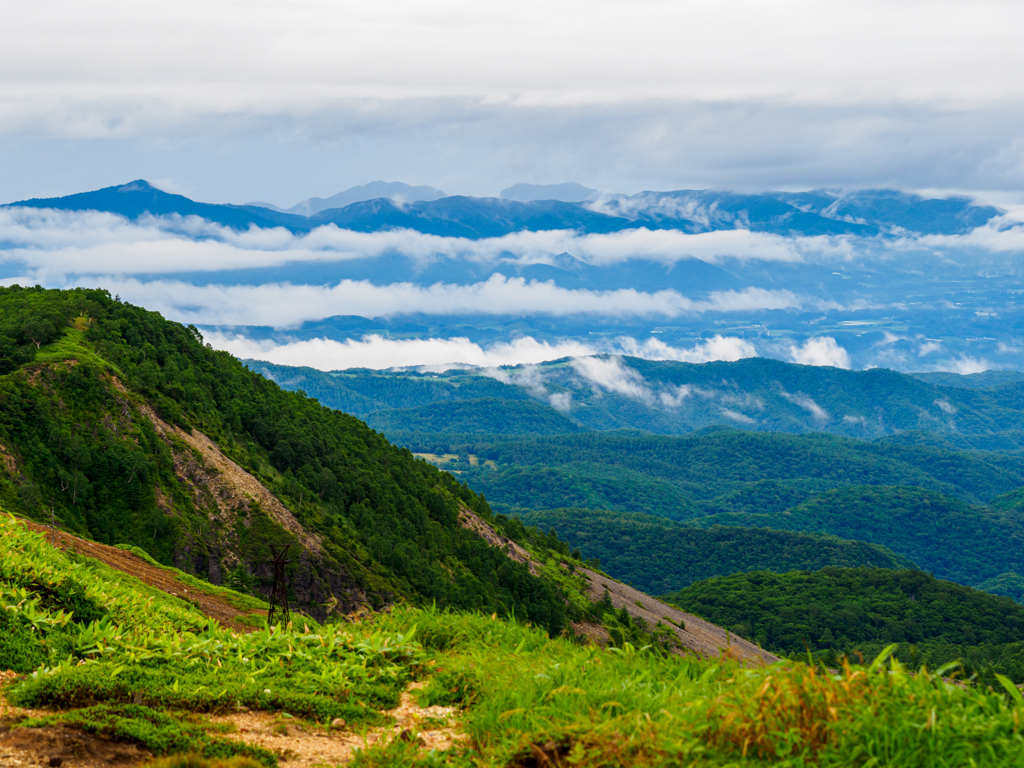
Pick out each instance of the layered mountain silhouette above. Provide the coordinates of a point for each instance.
(867, 213)
(570, 192)
(390, 190)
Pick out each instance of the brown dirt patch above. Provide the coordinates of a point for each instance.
(233, 484)
(7, 461)
(699, 635)
(164, 580)
(305, 746)
(71, 747)
(470, 519)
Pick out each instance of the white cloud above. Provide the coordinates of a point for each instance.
(673, 396)
(285, 305)
(854, 420)
(928, 347)
(820, 350)
(718, 347)
(76, 242)
(737, 417)
(377, 352)
(611, 375)
(964, 365)
(561, 401)
(945, 406)
(808, 404)
(294, 56)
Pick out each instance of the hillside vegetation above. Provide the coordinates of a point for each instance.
(837, 611)
(656, 555)
(674, 398)
(127, 663)
(98, 403)
(946, 536)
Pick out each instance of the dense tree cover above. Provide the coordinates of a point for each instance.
(952, 539)
(951, 411)
(850, 610)
(362, 392)
(812, 483)
(78, 444)
(711, 465)
(657, 555)
(487, 414)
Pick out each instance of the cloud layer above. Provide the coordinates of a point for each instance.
(377, 352)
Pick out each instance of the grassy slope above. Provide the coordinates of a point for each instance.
(142, 669)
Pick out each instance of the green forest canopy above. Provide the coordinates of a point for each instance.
(845, 610)
(657, 555)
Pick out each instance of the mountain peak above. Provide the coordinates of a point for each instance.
(391, 190)
(569, 192)
(139, 185)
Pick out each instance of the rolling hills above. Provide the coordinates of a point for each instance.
(660, 556)
(674, 398)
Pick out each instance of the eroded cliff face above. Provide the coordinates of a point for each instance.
(239, 518)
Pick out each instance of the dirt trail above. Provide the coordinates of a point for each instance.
(297, 744)
(304, 746)
(214, 607)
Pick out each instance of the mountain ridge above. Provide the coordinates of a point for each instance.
(868, 213)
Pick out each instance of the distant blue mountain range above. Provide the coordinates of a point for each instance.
(866, 213)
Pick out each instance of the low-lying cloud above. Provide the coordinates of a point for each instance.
(377, 352)
(820, 350)
(73, 242)
(610, 375)
(283, 305)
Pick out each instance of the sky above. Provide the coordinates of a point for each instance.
(229, 101)
(267, 100)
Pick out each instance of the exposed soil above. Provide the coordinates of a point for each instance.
(296, 743)
(697, 635)
(304, 746)
(57, 745)
(63, 747)
(470, 519)
(214, 607)
(233, 484)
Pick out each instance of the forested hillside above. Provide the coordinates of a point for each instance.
(656, 555)
(952, 539)
(709, 472)
(674, 398)
(846, 610)
(98, 400)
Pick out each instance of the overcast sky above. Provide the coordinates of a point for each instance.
(233, 101)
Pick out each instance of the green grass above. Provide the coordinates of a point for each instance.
(72, 346)
(142, 671)
(237, 599)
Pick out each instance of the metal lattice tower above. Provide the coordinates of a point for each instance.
(278, 612)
